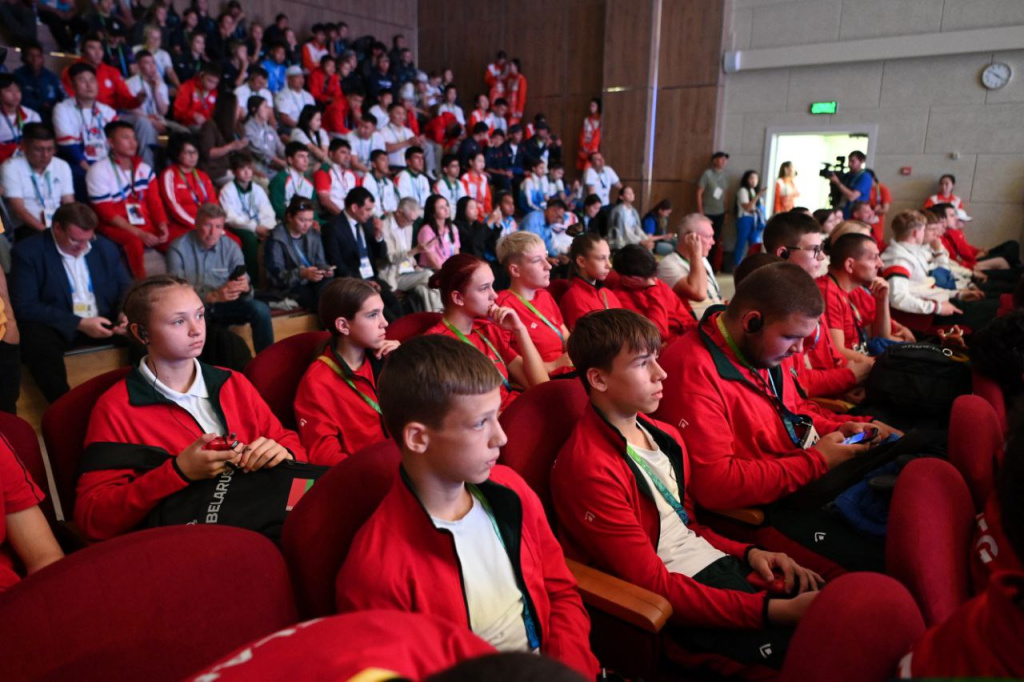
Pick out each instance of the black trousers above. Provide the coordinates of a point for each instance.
(715, 257)
(42, 351)
(976, 314)
(10, 376)
(766, 647)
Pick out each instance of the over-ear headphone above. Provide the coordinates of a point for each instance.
(754, 325)
(784, 253)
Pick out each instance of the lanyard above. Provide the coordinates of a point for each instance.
(97, 122)
(533, 309)
(341, 179)
(199, 183)
(662, 489)
(88, 277)
(15, 127)
(858, 321)
(35, 186)
(342, 369)
(604, 297)
(531, 626)
(120, 185)
(248, 206)
(497, 358)
(150, 97)
(774, 393)
(302, 255)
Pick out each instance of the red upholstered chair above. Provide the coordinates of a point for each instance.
(975, 445)
(856, 630)
(318, 531)
(626, 619)
(24, 441)
(404, 328)
(277, 370)
(993, 395)
(65, 424)
(153, 605)
(558, 287)
(931, 521)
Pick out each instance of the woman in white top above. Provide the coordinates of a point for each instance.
(310, 133)
(264, 143)
(450, 105)
(749, 214)
(153, 37)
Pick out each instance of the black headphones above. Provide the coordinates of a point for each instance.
(754, 325)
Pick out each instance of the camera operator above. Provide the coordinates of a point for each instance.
(854, 185)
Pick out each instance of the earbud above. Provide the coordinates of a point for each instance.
(142, 334)
(784, 253)
(754, 325)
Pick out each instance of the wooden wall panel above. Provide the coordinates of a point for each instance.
(584, 50)
(627, 43)
(685, 122)
(691, 36)
(622, 134)
(382, 18)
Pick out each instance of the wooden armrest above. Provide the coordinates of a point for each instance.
(751, 516)
(834, 404)
(625, 601)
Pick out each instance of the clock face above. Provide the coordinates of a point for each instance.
(996, 75)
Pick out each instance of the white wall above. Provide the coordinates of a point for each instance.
(926, 109)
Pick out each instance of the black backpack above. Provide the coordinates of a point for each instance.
(918, 378)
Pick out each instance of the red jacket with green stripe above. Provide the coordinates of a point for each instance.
(114, 501)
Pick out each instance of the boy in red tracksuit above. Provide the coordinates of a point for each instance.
(173, 403)
(635, 281)
(590, 258)
(459, 537)
(196, 98)
(619, 491)
(524, 256)
(752, 439)
(982, 639)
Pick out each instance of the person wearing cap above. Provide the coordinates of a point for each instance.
(712, 200)
(290, 101)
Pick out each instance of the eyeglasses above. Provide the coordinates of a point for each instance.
(817, 251)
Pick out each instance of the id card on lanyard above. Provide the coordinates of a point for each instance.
(46, 212)
(93, 139)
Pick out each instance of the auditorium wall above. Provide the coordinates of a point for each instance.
(380, 18)
(927, 109)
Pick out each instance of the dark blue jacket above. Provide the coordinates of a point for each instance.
(41, 293)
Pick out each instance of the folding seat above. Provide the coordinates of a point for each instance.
(153, 605)
(408, 326)
(931, 521)
(993, 395)
(975, 445)
(277, 370)
(856, 630)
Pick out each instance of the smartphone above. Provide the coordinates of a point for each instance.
(862, 437)
(238, 272)
(329, 270)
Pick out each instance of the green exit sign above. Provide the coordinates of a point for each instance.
(824, 107)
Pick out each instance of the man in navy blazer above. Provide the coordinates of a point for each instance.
(66, 288)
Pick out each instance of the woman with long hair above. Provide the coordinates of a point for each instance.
(310, 132)
(438, 235)
(219, 137)
(749, 214)
(589, 265)
(785, 188)
(590, 134)
(264, 143)
(472, 316)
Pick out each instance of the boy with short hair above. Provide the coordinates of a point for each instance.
(16, 114)
(458, 536)
(194, 103)
(636, 284)
(335, 179)
(250, 217)
(448, 184)
(619, 488)
(292, 181)
(379, 184)
(524, 256)
(78, 123)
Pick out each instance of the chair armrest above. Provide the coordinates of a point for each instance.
(625, 601)
(750, 516)
(834, 404)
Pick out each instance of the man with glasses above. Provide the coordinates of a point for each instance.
(36, 183)
(65, 287)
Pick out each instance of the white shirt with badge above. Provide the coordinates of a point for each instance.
(157, 99)
(362, 148)
(83, 298)
(683, 551)
(10, 129)
(75, 125)
(196, 400)
(393, 134)
(492, 595)
(40, 192)
(602, 182)
(291, 103)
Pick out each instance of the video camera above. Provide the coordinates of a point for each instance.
(829, 168)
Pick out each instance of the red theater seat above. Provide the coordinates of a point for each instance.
(975, 445)
(23, 440)
(856, 630)
(404, 328)
(277, 370)
(65, 424)
(928, 546)
(993, 395)
(153, 605)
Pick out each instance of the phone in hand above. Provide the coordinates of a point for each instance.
(329, 270)
(864, 436)
(238, 273)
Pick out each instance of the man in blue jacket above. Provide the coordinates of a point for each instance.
(66, 287)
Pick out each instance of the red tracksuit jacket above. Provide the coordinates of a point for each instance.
(991, 551)
(409, 645)
(112, 90)
(549, 344)
(741, 452)
(112, 502)
(192, 100)
(607, 517)
(400, 560)
(183, 194)
(660, 305)
(960, 249)
(582, 297)
(335, 421)
(982, 639)
(18, 492)
(499, 341)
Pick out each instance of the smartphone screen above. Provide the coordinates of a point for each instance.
(863, 436)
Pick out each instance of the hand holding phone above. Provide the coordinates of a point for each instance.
(864, 436)
(238, 273)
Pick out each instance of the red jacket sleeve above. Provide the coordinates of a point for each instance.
(597, 515)
(157, 212)
(106, 211)
(183, 103)
(318, 427)
(124, 100)
(825, 383)
(269, 425)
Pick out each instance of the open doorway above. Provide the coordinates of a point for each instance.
(808, 150)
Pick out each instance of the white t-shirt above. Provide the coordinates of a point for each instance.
(247, 211)
(455, 110)
(162, 59)
(744, 196)
(74, 125)
(195, 401)
(298, 135)
(416, 187)
(494, 600)
(290, 103)
(385, 197)
(21, 182)
(83, 298)
(361, 149)
(682, 550)
(601, 182)
(244, 92)
(157, 100)
(393, 134)
(11, 125)
(342, 181)
(452, 193)
(673, 268)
